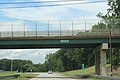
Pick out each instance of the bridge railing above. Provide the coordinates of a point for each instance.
(38, 33)
(82, 28)
(102, 33)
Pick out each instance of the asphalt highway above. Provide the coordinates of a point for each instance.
(53, 76)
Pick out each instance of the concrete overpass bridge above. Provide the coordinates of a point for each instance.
(62, 38)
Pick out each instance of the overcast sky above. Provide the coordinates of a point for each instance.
(68, 12)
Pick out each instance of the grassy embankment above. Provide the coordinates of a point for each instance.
(22, 75)
(86, 71)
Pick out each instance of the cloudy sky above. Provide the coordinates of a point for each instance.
(66, 12)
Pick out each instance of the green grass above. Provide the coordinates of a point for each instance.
(89, 70)
(22, 75)
(86, 71)
(7, 73)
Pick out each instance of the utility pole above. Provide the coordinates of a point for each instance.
(11, 65)
(111, 53)
(85, 28)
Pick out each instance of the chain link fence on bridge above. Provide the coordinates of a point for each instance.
(82, 28)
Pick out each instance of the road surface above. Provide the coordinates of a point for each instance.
(54, 76)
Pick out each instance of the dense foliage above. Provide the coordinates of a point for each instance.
(20, 65)
(114, 10)
(67, 59)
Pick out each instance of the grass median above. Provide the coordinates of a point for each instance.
(22, 75)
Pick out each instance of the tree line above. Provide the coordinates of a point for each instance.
(65, 59)
(17, 65)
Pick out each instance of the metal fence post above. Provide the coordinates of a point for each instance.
(18, 33)
(48, 28)
(98, 31)
(24, 29)
(60, 28)
(12, 29)
(72, 29)
(36, 29)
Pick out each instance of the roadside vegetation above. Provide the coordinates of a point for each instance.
(86, 71)
(22, 75)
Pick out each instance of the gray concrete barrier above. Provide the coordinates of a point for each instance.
(9, 76)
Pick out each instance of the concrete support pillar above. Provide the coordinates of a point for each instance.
(103, 62)
(97, 63)
(100, 59)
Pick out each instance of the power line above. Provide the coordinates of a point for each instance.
(52, 5)
(42, 2)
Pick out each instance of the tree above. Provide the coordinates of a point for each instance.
(116, 58)
(59, 66)
(112, 17)
(114, 10)
(5, 64)
(98, 27)
(112, 20)
(67, 59)
(23, 69)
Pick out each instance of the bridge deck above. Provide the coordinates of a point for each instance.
(58, 37)
(55, 42)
